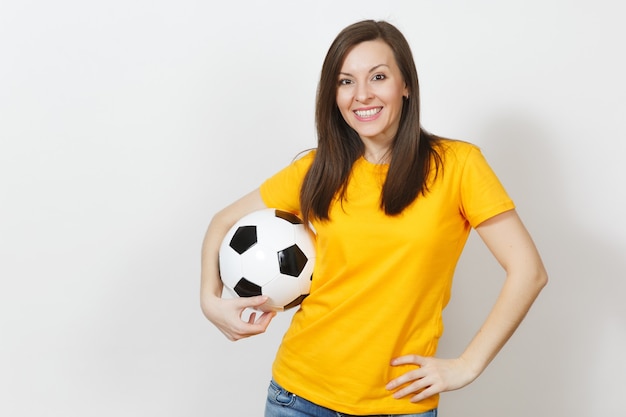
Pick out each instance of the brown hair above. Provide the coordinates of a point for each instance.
(339, 146)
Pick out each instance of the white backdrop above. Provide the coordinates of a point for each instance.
(125, 125)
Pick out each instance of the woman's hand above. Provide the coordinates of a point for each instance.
(226, 314)
(432, 376)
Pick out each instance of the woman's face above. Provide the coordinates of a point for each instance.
(370, 92)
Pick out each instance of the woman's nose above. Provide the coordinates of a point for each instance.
(362, 93)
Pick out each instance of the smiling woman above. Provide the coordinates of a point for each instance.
(390, 229)
(370, 96)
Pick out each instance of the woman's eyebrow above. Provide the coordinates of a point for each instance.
(374, 68)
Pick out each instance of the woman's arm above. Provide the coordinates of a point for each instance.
(509, 242)
(226, 314)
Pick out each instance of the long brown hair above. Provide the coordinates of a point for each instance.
(339, 146)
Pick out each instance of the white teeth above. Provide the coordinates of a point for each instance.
(367, 113)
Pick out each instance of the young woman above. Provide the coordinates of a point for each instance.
(392, 206)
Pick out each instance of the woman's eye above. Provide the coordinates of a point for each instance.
(378, 77)
(345, 81)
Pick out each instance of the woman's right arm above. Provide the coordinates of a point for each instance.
(226, 314)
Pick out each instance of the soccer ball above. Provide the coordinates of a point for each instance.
(268, 252)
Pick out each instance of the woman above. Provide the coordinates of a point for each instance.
(392, 206)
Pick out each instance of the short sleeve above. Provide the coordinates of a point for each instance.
(482, 194)
(282, 190)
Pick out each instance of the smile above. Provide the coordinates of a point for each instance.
(366, 114)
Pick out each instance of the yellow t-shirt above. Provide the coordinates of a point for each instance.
(380, 282)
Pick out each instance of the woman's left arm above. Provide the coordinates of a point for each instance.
(511, 244)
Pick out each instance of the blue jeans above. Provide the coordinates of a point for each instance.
(282, 403)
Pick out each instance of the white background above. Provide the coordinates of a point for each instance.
(125, 125)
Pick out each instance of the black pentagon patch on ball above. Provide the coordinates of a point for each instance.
(295, 302)
(291, 218)
(245, 288)
(292, 261)
(243, 239)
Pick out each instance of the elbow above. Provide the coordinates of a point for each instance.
(531, 278)
(544, 279)
(540, 278)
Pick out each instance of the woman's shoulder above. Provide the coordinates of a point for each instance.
(455, 155)
(455, 146)
(301, 162)
(307, 154)
(304, 158)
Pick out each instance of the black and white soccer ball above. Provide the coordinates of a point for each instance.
(268, 252)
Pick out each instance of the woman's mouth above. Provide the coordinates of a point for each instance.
(366, 114)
